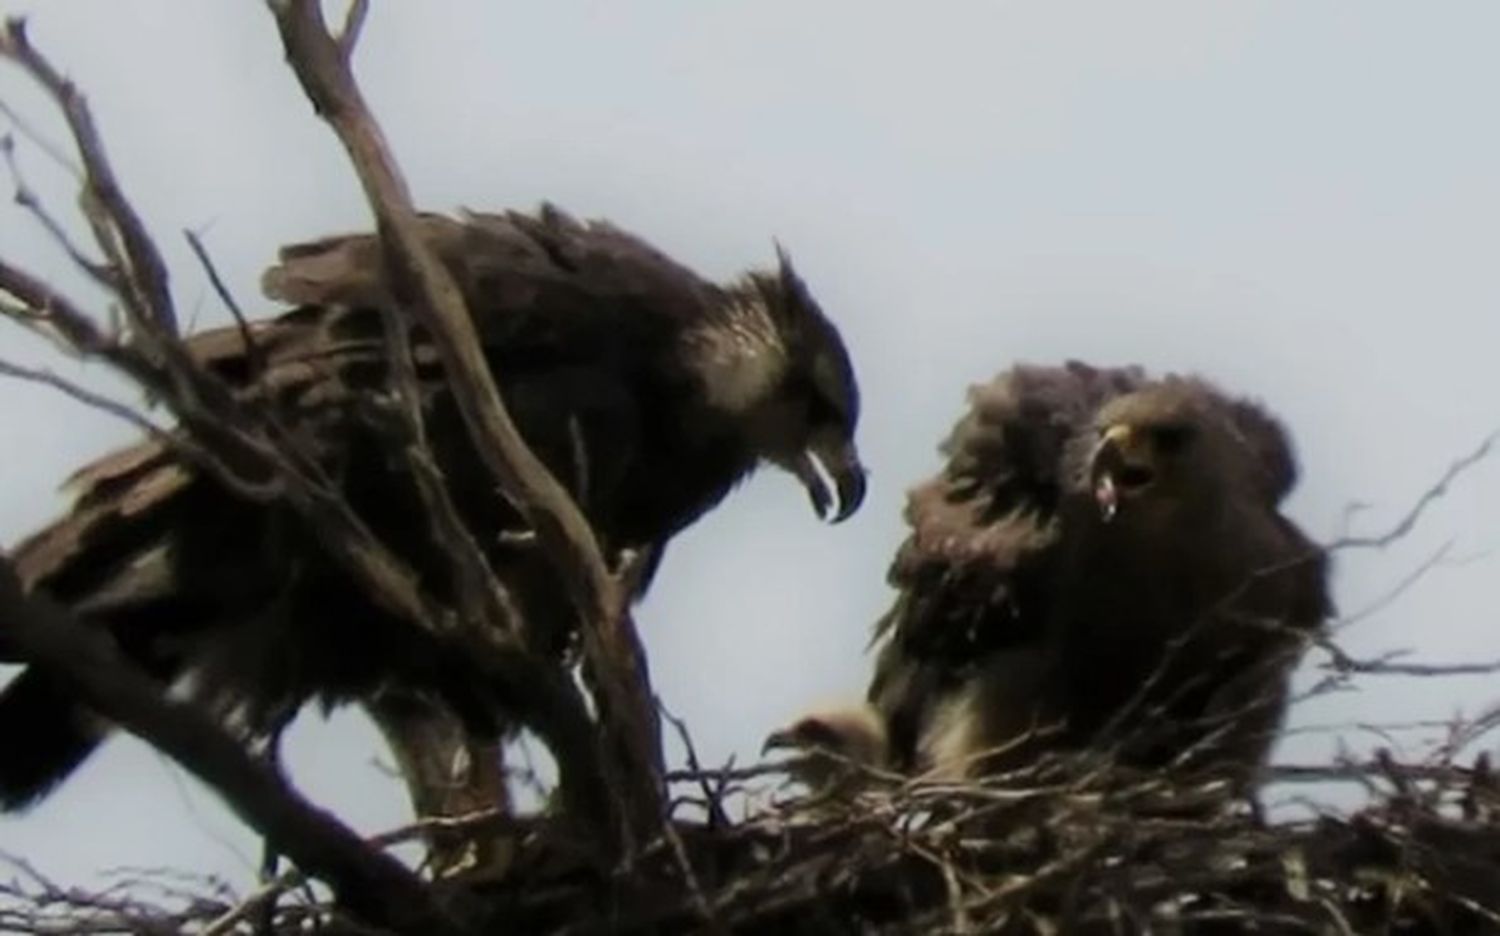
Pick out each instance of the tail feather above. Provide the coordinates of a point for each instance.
(105, 560)
(47, 734)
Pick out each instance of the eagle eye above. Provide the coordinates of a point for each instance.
(830, 391)
(1135, 476)
(1169, 440)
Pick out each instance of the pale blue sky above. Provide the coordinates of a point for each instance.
(1297, 199)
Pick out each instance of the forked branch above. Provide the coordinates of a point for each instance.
(423, 285)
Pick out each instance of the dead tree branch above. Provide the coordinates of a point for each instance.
(242, 444)
(27, 199)
(252, 348)
(119, 229)
(231, 435)
(1385, 664)
(371, 884)
(1434, 493)
(422, 285)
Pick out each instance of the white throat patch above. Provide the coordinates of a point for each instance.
(739, 357)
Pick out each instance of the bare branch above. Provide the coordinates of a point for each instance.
(1383, 665)
(369, 882)
(87, 397)
(430, 290)
(49, 309)
(354, 23)
(293, 878)
(1395, 592)
(482, 599)
(147, 272)
(1409, 521)
(712, 785)
(40, 140)
(422, 284)
(253, 455)
(27, 199)
(252, 348)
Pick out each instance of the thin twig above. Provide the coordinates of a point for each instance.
(89, 398)
(1394, 593)
(27, 199)
(253, 353)
(1384, 665)
(354, 24)
(147, 272)
(1409, 521)
(52, 150)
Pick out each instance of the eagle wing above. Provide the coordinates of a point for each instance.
(539, 287)
(1020, 610)
(975, 573)
(197, 584)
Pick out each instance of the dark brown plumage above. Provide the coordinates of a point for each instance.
(648, 391)
(1101, 563)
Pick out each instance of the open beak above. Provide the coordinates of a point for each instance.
(830, 470)
(1107, 496)
(1118, 469)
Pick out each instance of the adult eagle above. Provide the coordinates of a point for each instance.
(1100, 564)
(648, 391)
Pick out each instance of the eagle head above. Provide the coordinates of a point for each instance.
(832, 742)
(1165, 446)
(805, 410)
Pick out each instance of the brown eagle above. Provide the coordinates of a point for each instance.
(646, 390)
(1101, 564)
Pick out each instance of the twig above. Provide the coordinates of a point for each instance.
(1433, 493)
(711, 783)
(1363, 770)
(354, 24)
(253, 903)
(89, 398)
(253, 354)
(1400, 588)
(482, 599)
(753, 772)
(292, 877)
(27, 199)
(115, 217)
(40, 140)
(1382, 665)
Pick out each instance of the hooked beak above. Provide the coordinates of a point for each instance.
(830, 470)
(782, 740)
(1118, 469)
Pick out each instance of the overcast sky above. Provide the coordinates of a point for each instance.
(1296, 199)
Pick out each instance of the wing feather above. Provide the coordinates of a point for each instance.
(1017, 608)
(974, 572)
